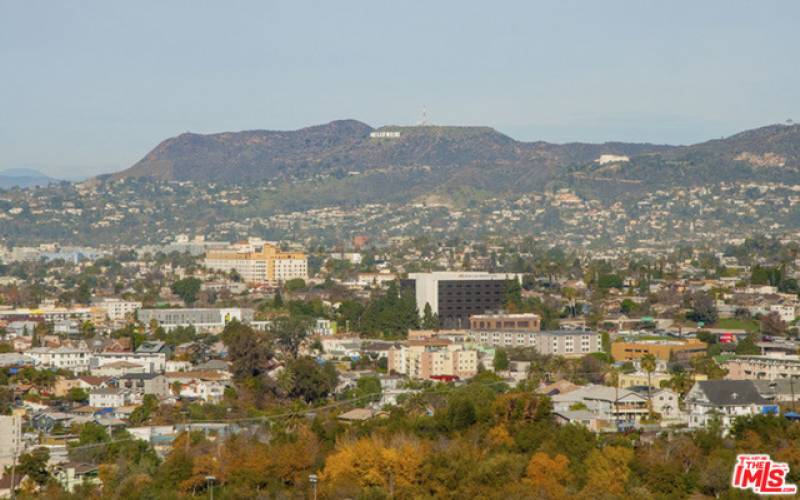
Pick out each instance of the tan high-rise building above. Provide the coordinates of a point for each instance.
(264, 263)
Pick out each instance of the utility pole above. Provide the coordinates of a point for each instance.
(13, 473)
(312, 478)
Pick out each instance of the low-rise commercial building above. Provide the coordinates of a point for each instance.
(664, 350)
(202, 319)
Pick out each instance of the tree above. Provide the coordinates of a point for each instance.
(369, 388)
(249, 351)
(277, 299)
(77, 395)
(548, 477)
(773, 325)
(607, 472)
(748, 345)
(290, 333)
(703, 308)
(84, 292)
(430, 321)
(187, 289)
(648, 363)
(627, 306)
(34, 465)
(295, 285)
(307, 379)
(513, 295)
(605, 342)
(460, 413)
(500, 360)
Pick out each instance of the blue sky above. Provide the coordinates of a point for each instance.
(90, 87)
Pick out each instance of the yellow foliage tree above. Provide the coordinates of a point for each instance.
(499, 436)
(372, 462)
(607, 472)
(548, 477)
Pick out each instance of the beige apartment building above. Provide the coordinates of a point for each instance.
(10, 438)
(527, 322)
(763, 368)
(259, 263)
(424, 359)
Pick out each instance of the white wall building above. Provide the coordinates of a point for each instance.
(724, 400)
(66, 358)
(152, 362)
(117, 309)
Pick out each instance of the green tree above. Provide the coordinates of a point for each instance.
(290, 334)
(249, 351)
(648, 363)
(295, 285)
(34, 465)
(187, 289)
(500, 360)
(310, 380)
(277, 299)
(430, 321)
(77, 395)
(748, 345)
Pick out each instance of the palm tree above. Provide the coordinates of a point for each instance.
(613, 379)
(648, 363)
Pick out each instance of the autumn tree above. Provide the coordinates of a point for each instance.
(370, 462)
(607, 472)
(548, 477)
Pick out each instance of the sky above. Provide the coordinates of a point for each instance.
(90, 87)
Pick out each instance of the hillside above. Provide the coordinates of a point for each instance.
(766, 153)
(458, 164)
(346, 146)
(23, 178)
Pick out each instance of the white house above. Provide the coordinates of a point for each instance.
(152, 362)
(665, 403)
(110, 397)
(607, 403)
(787, 312)
(724, 399)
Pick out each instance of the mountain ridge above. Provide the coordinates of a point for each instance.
(431, 159)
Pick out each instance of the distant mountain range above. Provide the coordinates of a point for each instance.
(23, 177)
(426, 160)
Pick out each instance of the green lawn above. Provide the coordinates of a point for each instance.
(749, 325)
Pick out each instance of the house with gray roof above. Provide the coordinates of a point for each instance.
(725, 400)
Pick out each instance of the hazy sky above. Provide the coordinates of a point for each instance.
(91, 86)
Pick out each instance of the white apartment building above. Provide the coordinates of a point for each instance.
(65, 358)
(118, 309)
(10, 438)
(556, 342)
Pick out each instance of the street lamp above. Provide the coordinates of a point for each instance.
(312, 478)
(210, 481)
